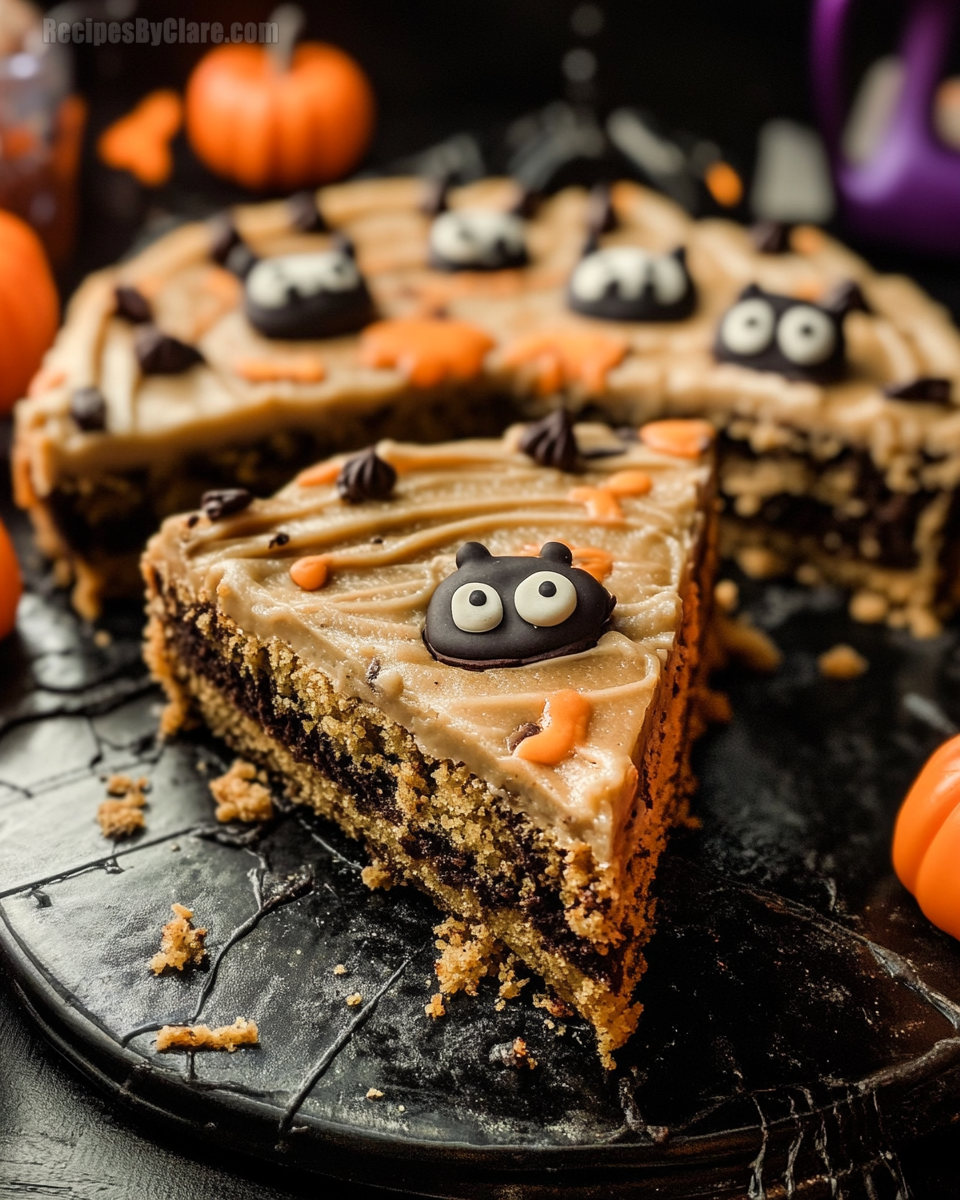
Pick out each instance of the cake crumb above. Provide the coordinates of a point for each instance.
(102, 638)
(500, 1006)
(374, 1094)
(180, 944)
(122, 816)
(727, 595)
(340, 969)
(868, 607)
(759, 562)
(401, 1108)
(240, 794)
(201, 1037)
(509, 984)
(435, 1007)
(553, 1004)
(354, 1000)
(377, 876)
(513, 1054)
(749, 645)
(467, 955)
(842, 662)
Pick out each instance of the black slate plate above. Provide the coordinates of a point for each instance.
(801, 1017)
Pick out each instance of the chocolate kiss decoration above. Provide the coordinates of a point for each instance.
(230, 250)
(551, 442)
(160, 354)
(89, 409)
(365, 477)
(133, 305)
(225, 502)
(435, 196)
(929, 388)
(305, 213)
(771, 237)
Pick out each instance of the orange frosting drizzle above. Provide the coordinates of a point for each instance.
(566, 717)
(602, 503)
(593, 559)
(45, 380)
(681, 437)
(807, 239)
(140, 141)
(310, 573)
(300, 368)
(428, 351)
(926, 840)
(564, 356)
(319, 474)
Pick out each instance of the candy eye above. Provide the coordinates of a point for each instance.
(748, 327)
(545, 598)
(669, 280)
(806, 335)
(476, 608)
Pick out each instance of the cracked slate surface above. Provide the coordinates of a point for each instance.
(801, 1017)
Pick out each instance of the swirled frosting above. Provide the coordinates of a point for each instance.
(360, 620)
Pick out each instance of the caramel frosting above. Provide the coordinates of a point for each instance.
(509, 329)
(347, 587)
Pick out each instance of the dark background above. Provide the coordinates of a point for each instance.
(718, 68)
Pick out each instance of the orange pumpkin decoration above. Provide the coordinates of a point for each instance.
(11, 584)
(275, 117)
(926, 840)
(29, 307)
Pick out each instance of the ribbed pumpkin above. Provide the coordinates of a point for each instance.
(11, 584)
(264, 124)
(29, 307)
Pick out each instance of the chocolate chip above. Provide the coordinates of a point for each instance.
(846, 297)
(929, 388)
(771, 237)
(160, 354)
(225, 502)
(373, 670)
(223, 238)
(376, 541)
(552, 442)
(520, 734)
(278, 539)
(305, 213)
(133, 305)
(365, 477)
(89, 409)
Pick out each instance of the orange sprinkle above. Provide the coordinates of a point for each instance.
(300, 368)
(629, 483)
(222, 284)
(600, 503)
(45, 380)
(808, 289)
(563, 356)
(724, 184)
(808, 239)
(566, 717)
(310, 573)
(428, 351)
(140, 141)
(683, 438)
(593, 559)
(319, 474)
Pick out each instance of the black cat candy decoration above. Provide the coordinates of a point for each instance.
(511, 611)
(303, 296)
(628, 283)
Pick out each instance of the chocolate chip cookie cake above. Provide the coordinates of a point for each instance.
(482, 658)
(232, 353)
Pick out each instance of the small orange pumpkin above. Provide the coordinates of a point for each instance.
(267, 118)
(11, 584)
(29, 307)
(926, 840)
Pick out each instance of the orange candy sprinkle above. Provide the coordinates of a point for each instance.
(428, 351)
(140, 141)
(629, 483)
(683, 438)
(808, 239)
(11, 584)
(565, 720)
(724, 184)
(319, 474)
(45, 380)
(310, 573)
(565, 356)
(926, 840)
(300, 368)
(593, 559)
(600, 503)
